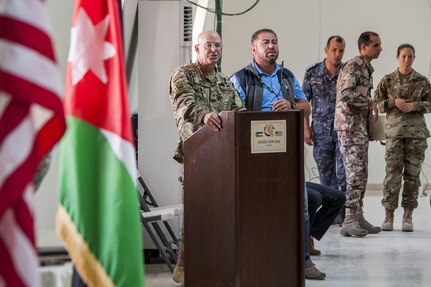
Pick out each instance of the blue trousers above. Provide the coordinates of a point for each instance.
(324, 204)
(329, 160)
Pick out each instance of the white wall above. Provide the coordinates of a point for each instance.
(157, 133)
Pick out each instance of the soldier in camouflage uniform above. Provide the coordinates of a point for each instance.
(404, 96)
(319, 86)
(353, 107)
(42, 170)
(198, 92)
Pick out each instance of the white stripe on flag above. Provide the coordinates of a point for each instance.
(32, 12)
(28, 197)
(26, 63)
(20, 139)
(40, 115)
(20, 248)
(4, 102)
(124, 150)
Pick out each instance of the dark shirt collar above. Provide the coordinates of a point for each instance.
(259, 71)
(324, 71)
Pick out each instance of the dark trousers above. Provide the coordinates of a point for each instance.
(330, 201)
(77, 280)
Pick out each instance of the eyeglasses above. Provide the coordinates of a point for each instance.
(210, 45)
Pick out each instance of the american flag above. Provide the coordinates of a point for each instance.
(31, 122)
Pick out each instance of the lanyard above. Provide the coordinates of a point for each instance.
(277, 95)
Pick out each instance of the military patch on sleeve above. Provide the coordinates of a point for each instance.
(179, 82)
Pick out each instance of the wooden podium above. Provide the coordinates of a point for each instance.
(243, 200)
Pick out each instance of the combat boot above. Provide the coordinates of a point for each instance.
(388, 223)
(313, 251)
(178, 275)
(364, 224)
(407, 220)
(351, 226)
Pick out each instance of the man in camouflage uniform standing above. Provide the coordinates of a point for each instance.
(198, 92)
(353, 108)
(404, 95)
(319, 86)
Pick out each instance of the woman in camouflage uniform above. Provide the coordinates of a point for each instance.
(405, 96)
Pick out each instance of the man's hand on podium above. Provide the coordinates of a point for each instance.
(213, 121)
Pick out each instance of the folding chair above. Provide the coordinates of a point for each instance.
(152, 214)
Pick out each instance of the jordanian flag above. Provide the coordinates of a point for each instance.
(98, 214)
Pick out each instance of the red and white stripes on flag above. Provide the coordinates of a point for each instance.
(31, 122)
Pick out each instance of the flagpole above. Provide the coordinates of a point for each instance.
(120, 12)
(133, 46)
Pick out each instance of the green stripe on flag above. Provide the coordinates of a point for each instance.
(101, 199)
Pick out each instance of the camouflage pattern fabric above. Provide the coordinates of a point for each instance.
(407, 154)
(354, 149)
(413, 87)
(42, 170)
(406, 135)
(326, 153)
(352, 103)
(351, 122)
(320, 89)
(193, 94)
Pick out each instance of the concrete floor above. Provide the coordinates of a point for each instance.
(388, 259)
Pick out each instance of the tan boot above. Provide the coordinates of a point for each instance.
(313, 251)
(178, 275)
(351, 226)
(388, 223)
(407, 220)
(364, 224)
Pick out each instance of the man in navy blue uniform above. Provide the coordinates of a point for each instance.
(319, 86)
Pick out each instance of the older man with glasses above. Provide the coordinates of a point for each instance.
(198, 93)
